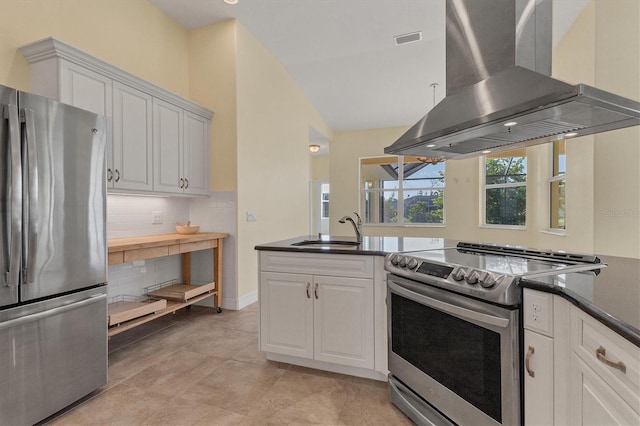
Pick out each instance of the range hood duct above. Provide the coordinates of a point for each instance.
(497, 67)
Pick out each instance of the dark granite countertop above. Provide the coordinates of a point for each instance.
(612, 296)
(371, 246)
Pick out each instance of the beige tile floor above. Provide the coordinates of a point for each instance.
(201, 368)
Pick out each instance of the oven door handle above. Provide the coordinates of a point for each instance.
(449, 308)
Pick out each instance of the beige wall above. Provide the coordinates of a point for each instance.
(131, 34)
(274, 169)
(213, 83)
(603, 177)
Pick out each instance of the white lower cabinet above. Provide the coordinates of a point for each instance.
(577, 370)
(538, 379)
(604, 375)
(318, 316)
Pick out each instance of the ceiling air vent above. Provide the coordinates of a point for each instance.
(408, 38)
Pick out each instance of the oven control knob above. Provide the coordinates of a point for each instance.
(394, 259)
(403, 261)
(412, 263)
(458, 273)
(487, 280)
(472, 277)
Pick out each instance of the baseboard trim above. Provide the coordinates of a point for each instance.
(236, 304)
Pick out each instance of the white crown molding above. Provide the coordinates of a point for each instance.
(51, 48)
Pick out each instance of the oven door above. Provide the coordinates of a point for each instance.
(458, 354)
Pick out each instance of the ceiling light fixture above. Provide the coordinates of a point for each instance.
(570, 134)
(510, 124)
(431, 145)
(486, 151)
(231, 1)
(314, 148)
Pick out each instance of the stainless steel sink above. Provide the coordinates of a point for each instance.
(326, 243)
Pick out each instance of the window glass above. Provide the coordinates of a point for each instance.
(557, 185)
(324, 200)
(505, 188)
(386, 180)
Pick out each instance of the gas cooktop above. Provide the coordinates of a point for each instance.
(486, 271)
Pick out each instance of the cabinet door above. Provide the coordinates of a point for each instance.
(593, 401)
(167, 147)
(132, 139)
(90, 91)
(196, 154)
(538, 379)
(343, 321)
(286, 314)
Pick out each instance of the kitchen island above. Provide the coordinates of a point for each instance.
(322, 305)
(582, 344)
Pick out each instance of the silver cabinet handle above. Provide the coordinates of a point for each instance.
(315, 290)
(181, 183)
(530, 352)
(14, 194)
(117, 175)
(601, 354)
(31, 241)
(109, 175)
(186, 183)
(308, 287)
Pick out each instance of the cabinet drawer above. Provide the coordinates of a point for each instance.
(195, 246)
(317, 264)
(589, 337)
(145, 253)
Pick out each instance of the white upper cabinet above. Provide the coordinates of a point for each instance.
(132, 142)
(158, 142)
(181, 150)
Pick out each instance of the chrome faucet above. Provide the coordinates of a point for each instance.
(357, 226)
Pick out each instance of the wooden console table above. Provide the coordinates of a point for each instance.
(125, 250)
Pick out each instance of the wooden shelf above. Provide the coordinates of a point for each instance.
(172, 307)
(181, 292)
(126, 310)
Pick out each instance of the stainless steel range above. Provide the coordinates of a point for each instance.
(454, 329)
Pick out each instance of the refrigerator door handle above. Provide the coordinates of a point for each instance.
(31, 216)
(14, 192)
(51, 312)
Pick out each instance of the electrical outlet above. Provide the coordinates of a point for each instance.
(251, 217)
(156, 217)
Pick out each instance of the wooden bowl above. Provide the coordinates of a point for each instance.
(187, 229)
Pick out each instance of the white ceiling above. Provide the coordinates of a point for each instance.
(342, 53)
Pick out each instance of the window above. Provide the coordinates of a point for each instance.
(324, 201)
(505, 188)
(386, 180)
(557, 184)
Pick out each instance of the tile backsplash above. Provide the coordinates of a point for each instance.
(131, 216)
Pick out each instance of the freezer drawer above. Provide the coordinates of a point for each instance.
(52, 353)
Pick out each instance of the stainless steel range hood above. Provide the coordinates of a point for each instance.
(498, 67)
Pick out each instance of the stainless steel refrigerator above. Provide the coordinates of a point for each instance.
(53, 309)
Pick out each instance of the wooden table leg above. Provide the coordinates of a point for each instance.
(186, 268)
(217, 273)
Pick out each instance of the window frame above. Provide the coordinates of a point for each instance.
(484, 186)
(553, 178)
(400, 190)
